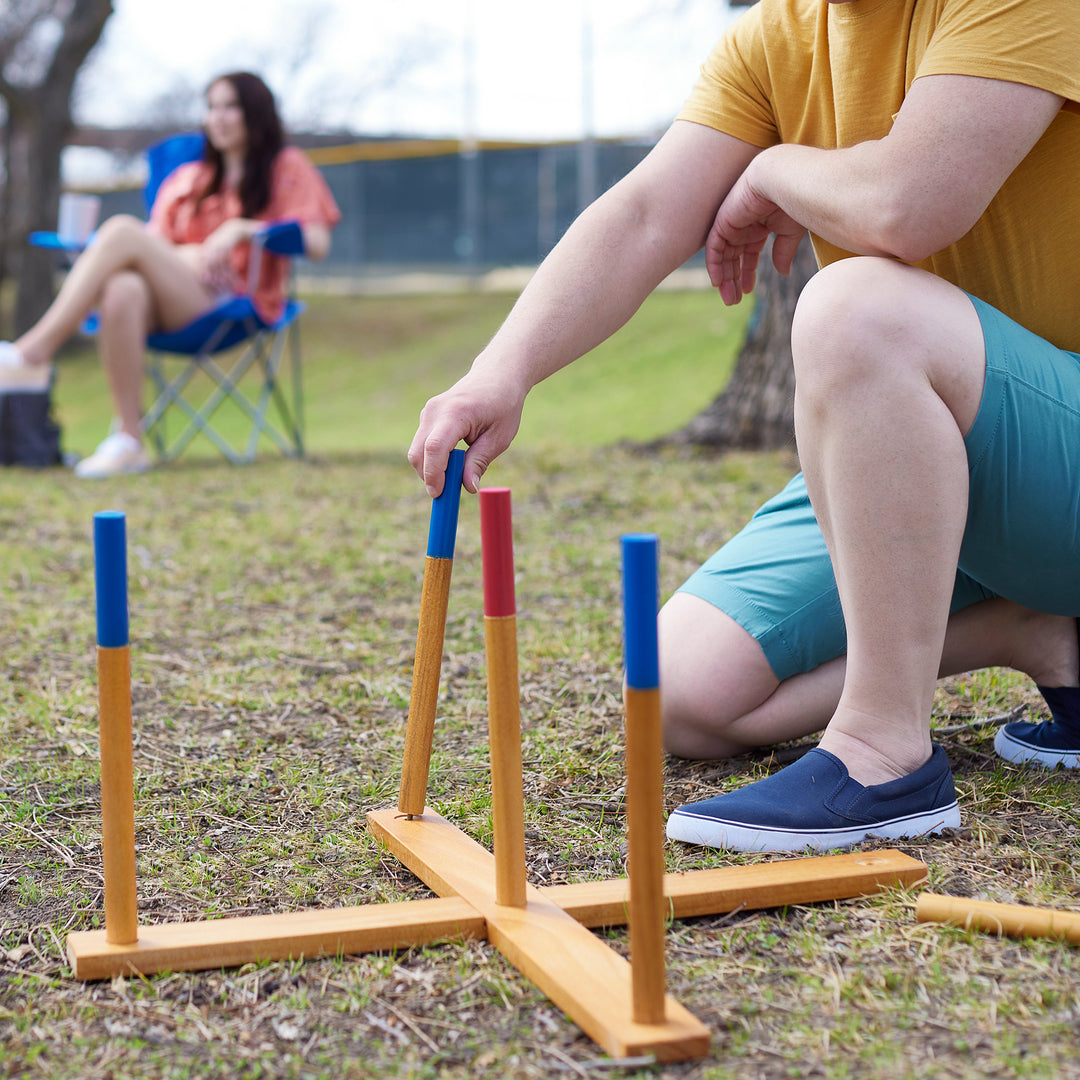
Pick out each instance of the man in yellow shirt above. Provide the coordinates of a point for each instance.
(931, 149)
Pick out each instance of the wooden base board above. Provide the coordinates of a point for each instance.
(547, 940)
(590, 982)
(586, 982)
(218, 943)
(806, 880)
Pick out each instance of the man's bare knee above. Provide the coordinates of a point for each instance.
(711, 674)
(844, 316)
(868, 324)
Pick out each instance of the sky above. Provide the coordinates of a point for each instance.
(492, 69)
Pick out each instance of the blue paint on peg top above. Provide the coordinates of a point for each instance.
(444, 509)
(110, 575)
(641, 597)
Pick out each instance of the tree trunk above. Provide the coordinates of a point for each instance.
(755, 411)
(5, 223)
(39, 117)
(36, 147)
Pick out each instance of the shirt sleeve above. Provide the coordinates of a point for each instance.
(733, 93)
(1026, 41)
(299, 192)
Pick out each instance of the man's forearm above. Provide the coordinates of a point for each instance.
(838, 195)
(923, 185)
(613, 256)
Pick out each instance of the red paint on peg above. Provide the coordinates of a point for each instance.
(497, 540)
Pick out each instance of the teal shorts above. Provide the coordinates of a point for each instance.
(1022, 539)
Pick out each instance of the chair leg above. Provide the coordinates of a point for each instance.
(286, 435)
(169, 393)
(267, 352)
(298, 392)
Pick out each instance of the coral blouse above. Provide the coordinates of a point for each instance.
(298, 192)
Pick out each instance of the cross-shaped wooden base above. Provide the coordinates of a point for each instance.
(547, 940)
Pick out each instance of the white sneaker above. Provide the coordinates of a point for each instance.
(119, 455)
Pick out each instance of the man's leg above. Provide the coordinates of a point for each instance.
(721, 697)
(889, 365)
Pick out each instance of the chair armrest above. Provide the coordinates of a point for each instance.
(56, 242)
(280, 237)
(284, 238)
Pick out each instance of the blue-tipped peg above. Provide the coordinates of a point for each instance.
(110, 575)
(641, 598)
(444, 510)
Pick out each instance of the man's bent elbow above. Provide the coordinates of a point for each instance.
(912, 233)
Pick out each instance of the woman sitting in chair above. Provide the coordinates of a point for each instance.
(145, 278)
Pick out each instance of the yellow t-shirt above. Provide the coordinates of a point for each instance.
(833, 75)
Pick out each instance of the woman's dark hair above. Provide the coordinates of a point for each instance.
(265, 137)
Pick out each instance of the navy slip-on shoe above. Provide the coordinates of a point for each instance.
(815, 804)
(1052, 742)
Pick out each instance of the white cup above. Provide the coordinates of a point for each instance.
(78, 218)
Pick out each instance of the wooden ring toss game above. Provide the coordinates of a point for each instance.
(544, 932)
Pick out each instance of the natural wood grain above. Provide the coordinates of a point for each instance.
(760, 885)
(504, 733)
(1013, 920)
(219, 943)
(424, 697)
(645, 841)
(579, 973)
(117, 794)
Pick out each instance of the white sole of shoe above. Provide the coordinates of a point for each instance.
(105, 474)
(734, 836)
(1022, 753)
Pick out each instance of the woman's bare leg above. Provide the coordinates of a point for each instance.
(127, 314)
(122, 243)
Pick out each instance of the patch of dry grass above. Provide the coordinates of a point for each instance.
(273, 615)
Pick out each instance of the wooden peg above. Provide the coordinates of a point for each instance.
(1013, 920)
(430, 634)
(504, 701)
(114, 711)
(644, 777)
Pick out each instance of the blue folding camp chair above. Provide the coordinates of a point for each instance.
(222, 346)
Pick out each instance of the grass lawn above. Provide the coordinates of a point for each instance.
(273, 620)
(370, 363)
